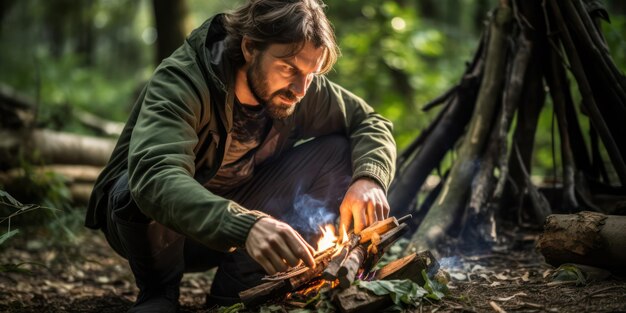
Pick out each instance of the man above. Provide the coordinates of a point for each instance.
(231, 133)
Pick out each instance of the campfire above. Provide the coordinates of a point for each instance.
(340, 259)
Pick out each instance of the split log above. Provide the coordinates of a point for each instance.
(376, 249)
(585, 238)
(410, 267)
(50, 147)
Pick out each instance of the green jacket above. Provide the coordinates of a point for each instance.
(179, 128)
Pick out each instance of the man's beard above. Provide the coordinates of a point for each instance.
(258, 85)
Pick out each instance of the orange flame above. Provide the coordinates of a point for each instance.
(328, 239)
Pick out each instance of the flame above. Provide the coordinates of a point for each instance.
(328, 238)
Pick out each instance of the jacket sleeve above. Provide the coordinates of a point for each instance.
(161, 164)
(328, 108)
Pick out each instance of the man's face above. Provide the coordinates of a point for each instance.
(279, 83)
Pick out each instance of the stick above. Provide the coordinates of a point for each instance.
(348, 270)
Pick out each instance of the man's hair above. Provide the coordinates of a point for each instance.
(267, 22)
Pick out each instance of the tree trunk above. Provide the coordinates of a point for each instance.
(452, 200)
(171, 25)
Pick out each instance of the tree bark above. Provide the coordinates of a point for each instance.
(586, 238)
(171, 25)
(569, 202)
(424, 154)
(51, 147)
(451, 201)
(587, 94)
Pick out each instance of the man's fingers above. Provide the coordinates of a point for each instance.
(267, 266)
(287, 252)
(298, 250)
(371, 213)
(346, 217)
(360, 219)
(277, 262)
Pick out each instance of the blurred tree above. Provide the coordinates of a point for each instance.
(172, 26)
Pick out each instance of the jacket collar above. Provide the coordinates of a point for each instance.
(208, 43)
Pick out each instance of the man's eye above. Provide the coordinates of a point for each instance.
(289, 69)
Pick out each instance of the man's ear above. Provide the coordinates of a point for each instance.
(247, 47)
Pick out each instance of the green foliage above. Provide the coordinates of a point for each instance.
(7, 235)
(231, 309)
(396, 60)
(569, 272)
(436, 290)
(402, 291)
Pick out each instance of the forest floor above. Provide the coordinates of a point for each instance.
(87, 276)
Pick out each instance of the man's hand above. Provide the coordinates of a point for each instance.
(276, 246)
(365, 202)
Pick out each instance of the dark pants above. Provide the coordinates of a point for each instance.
(303, 187)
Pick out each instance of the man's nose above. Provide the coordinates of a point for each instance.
(298, 86)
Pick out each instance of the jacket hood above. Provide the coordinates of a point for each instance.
(207, 41)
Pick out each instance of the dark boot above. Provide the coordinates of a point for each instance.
(155, 255)
(154, 252)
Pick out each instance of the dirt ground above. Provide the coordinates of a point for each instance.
(87, 276)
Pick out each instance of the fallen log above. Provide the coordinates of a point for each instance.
(70, 173)
(588, 238)
(50, 147)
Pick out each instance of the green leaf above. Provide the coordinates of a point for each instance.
(17, 268)
(231, 309)
(8, 235)
(436, 290)
(569, 272)
(12, 201)
(402, 291)
(271, 308)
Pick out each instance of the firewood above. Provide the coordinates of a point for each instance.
(378, 228)
(350, 266)
(262, 293)
(410, 267)
(377, 250)
(330, 273)
(355, 299)
(585, 238)
(277, 288)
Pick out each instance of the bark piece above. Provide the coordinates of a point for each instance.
(410, 267)
(355, 299)
(451, 200)
(52, 147)
(350, 266)
(586, 238)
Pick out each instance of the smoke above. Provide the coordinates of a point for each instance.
(451, 263)
(309, 213)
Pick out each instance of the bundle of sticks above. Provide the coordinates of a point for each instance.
(339, 265)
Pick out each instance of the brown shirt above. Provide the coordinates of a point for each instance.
(250, 127)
